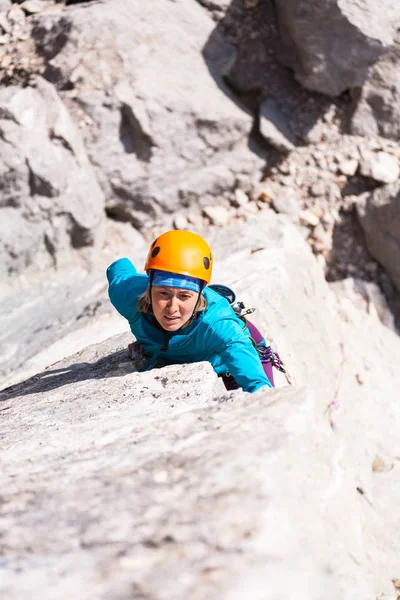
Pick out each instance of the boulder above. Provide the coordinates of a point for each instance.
(217, 215)
(348, 167)
(274, 127)
(154, 128)
(32, 7)
(378, 107)
(380, 166)
(331, 44)
(287, 203)
(51, 208)
(379, 215)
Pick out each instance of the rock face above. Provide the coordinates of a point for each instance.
(379, 215)
(50, 201)
(331, 44)
(366, 296)
(62, 312)
(159, 502)
(378, 111)
(117, 484)
(158, 129)
(162, 485)
(268, 265)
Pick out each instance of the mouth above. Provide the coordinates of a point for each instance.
(170, 319)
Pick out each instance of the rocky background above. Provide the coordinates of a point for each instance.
(272, 128)
(262, 105)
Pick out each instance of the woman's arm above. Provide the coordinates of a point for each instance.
(125, 285)
(233, 345)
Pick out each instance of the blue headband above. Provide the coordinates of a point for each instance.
(166, 279)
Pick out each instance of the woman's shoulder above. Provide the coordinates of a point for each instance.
(217, 305)
(219, 315)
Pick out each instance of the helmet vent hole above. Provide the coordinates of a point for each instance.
(155, 251)
(206, 262)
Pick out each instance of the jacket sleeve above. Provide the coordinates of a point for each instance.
(125, 285)
(230, 342)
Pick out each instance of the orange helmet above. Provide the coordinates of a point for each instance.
(181, 252)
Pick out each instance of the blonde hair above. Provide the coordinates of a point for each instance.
(144, 304)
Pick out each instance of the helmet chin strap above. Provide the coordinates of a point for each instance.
(202, 286)
(151, 277)
(166, 340)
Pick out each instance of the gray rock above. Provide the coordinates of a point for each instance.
(141, 456)
(328, 189)
(154, 127)
(32, 7)
(287, 204)
(378, 108)
(379, 216)
(241, 199)
(274, 127)
(321, 239)
(4, 23)
(348, 167)
(16, 15)
(181, 222)
(33, 323)
(132, 445)
(49, 316)
(366, 296)
(4, 5)
(381, 166)
(309, 217)
(217, 215)
(331, 44)
(52, 209)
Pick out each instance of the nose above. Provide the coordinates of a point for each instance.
(172, 304)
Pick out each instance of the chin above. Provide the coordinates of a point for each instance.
(173, 327)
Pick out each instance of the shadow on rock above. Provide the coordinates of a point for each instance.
(242, 55)
(117, 364)
(350, 258)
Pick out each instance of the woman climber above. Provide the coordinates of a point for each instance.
(175, 316)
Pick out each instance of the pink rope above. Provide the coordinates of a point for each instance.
(335, 403)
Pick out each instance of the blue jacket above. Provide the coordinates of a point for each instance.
(217, 335)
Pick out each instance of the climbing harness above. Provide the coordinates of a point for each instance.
(264, 350)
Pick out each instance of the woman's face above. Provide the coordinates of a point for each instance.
(173, 307)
